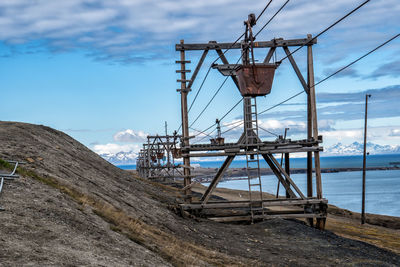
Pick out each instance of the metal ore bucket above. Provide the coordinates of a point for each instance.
(255, 80)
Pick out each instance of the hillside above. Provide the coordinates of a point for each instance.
(71, 207)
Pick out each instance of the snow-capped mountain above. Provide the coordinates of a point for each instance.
(356, 148)
(121, 158)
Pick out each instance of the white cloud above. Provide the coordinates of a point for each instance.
(113, 149)
(130, 136)
(123, 30)
(395, 132)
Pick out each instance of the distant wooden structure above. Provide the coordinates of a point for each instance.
(248, 76)
(157, 158)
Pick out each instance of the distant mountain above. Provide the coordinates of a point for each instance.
(356, 148)
(121, 158)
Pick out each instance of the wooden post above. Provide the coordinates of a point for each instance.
(364, 160)
(185, 127)
(309, 137)
(313, 106)
(287, 170)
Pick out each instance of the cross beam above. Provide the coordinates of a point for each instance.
(273, 43)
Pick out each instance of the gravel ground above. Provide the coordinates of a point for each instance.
(42, 226)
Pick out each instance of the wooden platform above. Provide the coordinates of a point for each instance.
(236, 211)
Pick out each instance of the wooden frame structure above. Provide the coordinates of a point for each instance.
(308, 205)
(157, 158)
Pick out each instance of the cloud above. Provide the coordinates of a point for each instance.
(130, 136)
(348, 106)
(395, 132)
(349, 72)
(111, 148)
(139, 30)
(391, 69)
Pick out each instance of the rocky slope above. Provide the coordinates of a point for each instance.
(71, 207)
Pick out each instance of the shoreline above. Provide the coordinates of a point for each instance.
(206, 174)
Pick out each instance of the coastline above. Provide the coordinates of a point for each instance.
(204, 175)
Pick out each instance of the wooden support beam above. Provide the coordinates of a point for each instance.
(287, 169)
(185, 125)
(266, 151)
(255, 217)
(290, 181)
(272, 43)
(246, 204)
(278, 175)
(310, 68)
(296, 69)
(269, 55)
(196, 71)
(217, 178)
(207, 194)
(225, 61)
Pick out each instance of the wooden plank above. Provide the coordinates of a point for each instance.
(296, 69)
(268, 151)
(264, 44)
(245, 204)
(269, 55)
(323, 200)
(198, 67)
(281, 216)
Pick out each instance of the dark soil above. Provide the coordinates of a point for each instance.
(43, 226)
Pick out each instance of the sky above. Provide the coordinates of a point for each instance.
(104, 72)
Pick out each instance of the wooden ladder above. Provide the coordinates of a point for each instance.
(253, 157)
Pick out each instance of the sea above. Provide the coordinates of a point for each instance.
(342, 189)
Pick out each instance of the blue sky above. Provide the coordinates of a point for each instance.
(104, 72)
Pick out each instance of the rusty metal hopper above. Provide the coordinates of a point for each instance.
(255, 80)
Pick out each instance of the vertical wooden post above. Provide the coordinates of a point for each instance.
(309, 137)
(185, 127)
(287, 170)
(364, 160)
(313, 108)
(310, 68)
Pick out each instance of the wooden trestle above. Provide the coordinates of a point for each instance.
(296, 204)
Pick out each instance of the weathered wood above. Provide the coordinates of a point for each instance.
(218, 176)
(310, 67)
(271, 52)
(225, 61)
(290, 181)
(296, 69)
(244, 204)
(197, 69)
(267, 151)
(287, 169)
(309, 137)
(272, 43)
(278, 175)
(185, 126)
(281, 216)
